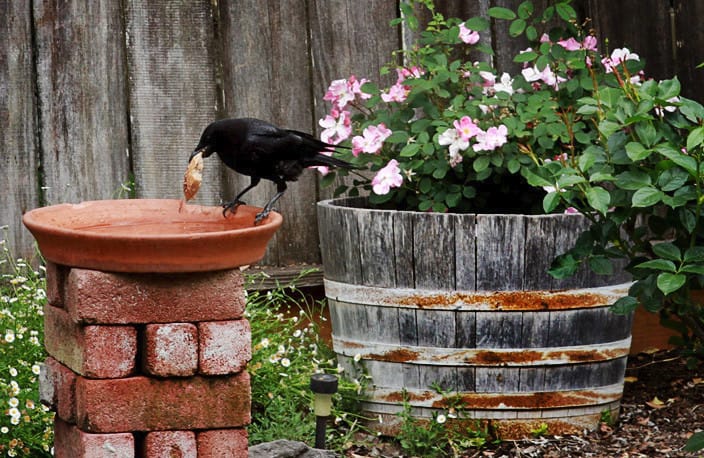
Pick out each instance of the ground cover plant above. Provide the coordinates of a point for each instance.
(26, 426)
(286, 350)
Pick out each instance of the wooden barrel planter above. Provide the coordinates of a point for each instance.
(463, 302)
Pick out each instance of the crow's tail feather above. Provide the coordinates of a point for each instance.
(322, 159)
(313, 143)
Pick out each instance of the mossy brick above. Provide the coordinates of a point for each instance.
(151, 404)
(92, 351)
(114, 298)
(167, 444)
(57, 389)
(71, 442)
(224, 346)
(218, 443)
(170, 350)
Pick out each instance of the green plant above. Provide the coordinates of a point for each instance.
(286, 350)
(448, 433)
(26, 426)
(638, 174)
(454, 132)
(540, 430)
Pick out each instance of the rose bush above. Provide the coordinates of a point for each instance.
(461, 132)
(573, 128)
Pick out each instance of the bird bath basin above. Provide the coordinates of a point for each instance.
(150, 235)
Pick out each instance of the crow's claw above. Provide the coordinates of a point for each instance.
(261, 216)
(231, 207)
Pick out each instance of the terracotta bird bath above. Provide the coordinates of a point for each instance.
(146, 305)
(150, 235)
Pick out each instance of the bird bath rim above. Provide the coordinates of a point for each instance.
(150, 235)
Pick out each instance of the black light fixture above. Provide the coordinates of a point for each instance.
(324, 386)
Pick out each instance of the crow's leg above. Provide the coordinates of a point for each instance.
(280, 189)
(232, 206)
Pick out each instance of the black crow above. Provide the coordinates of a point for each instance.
(261, 150)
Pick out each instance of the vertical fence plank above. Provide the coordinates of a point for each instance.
(689, 36)
(83, 110)
(18, 161)
(349, 39)
(266, 75)
(499, 239)
(171, 69)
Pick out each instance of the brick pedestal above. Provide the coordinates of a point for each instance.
(146, 365)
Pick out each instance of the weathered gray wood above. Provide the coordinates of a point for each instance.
(500, 252)
(497, 379)
(266, 74)
(82, 100)
(375, 248)
(465, 252)
(348, 39)
(403, 254)
(171, 69)
(465, 329)
(339, 236)
(434, 251)
(542, 234)
(436, 328)
(20, 157)
(408, 328)
(499, 329)
(382, 324)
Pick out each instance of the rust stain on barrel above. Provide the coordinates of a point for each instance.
(537, 400)
(509, 300)
(399, 355)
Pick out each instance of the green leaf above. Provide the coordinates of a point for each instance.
(599, 199)
(636, 151)
(669, 283)
(678, 157)
(667, 250)
(527, 56)
(517, 27)
(646, 197)
(399, 136)
(410, 150)
(499, 12)
(564, 266)
(632, 180)
(695, 442)
(693, 269)
(647, 133)
(535, 180)
(565, 11)
(695, 138)
(525, 10)
(477, 23)
(672, 179)
(481, 163)
(668, 89)
(658, 264)
(601, 265)
(694, 254)
(624, 305)
(550, 201)
(567, 180)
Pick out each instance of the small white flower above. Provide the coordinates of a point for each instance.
(9, 336)
(14, 412)
(285, 362)
(297, 333)
(14, 421)
(36, 369)
(4, 430)
(441, 419)
(357, 357)
(264, 343)
(13, 372)
(13, 402)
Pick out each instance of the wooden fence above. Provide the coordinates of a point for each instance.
(97, 93)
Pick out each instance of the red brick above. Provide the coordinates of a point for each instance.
(170, 349)
(57, 389)
(150, 404)
(224, 346)
(113, 298)
(55, 283)
(230, 443)
(93, 351)
(169, 444)
(71, 442)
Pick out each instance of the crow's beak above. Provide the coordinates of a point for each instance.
(205, 150)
